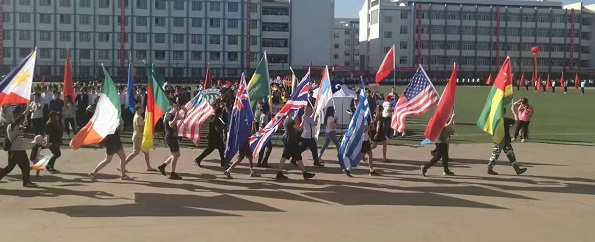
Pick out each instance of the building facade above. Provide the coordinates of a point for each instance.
(346, 56)
(181, 37)
(477, 35)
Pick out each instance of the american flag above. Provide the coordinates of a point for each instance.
(417, 99)
(299, 99)
(198, 111)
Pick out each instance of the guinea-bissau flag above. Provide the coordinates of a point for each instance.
(491, 118)
(157, 105)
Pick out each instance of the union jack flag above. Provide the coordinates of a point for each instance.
(299, 99)
(198, 110)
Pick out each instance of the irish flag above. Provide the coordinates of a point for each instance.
(491, 118)
(157, 105)
(106, 118)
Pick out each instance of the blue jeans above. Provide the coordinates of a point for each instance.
(329, 136)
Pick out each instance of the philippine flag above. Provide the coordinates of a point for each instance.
(15, 88)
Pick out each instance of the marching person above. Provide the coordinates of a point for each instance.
(265, 152)
(138, 124)
(507, 150)
(308, 139)
(367, 151)
(380, 135)
(291, 148)
(170, 121)
(17, 155)
(553, 87)
(583, 83)
(54, 139)
(330, 133)
(113, 146)
(525, 112)
(244, 152)
(441, 149)
(565, 86)
(216, 138)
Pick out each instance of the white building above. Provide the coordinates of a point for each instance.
(179, 36)
(477, 35)
(346, 45)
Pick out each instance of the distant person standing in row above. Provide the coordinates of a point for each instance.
(583, 83)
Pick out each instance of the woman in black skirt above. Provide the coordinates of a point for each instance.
(113, 146)
(380, 136)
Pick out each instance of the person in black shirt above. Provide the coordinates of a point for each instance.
(54, 138)
(291, 149)
(507, 147)
(113, 146)
(82, 102)
(170, 121)
(441, 149)
(216, 138)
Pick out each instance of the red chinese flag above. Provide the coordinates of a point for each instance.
(576, 81)
(68, 84)
(444, 108)
(387, 66)
(522, 81)
(548, 82)
(562, 80)
(539, 83)
(489, 81)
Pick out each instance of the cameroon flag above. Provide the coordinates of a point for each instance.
(157, 105)
(491, 118)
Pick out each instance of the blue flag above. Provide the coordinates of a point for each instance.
(240, 123)
(351, 145)
(131, 101)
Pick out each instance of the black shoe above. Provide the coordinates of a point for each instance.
(161, 169)
(520, 171)
(280, 176)
(423, 170)
(29, 184)
(318, 164)
(197, 161)
(492, 172)
(308, 175)
(448, 173)
(51, 170)
(174, 176)
(374, 173)
(347, 172)
(227, 174)
(433, 153)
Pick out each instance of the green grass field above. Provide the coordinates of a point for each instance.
(558, 118)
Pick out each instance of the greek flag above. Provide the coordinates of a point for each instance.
(351, 145)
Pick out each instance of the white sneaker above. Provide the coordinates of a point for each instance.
(523, 140)
(512, 139)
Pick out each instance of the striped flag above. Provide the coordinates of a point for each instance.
(198, 110)
(491, 118)
(351, 145)
(298, 99)
(417, 99)
(106, 118)
(157, 106)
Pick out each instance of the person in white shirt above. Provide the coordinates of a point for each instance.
(46, 98)
(308, 140)
(330, 133)
(583, 87)
(36, 108)
(553, 87)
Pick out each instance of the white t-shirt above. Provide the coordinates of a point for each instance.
(309, 124)
(46, 97)
(387, 110)
(36, 110)
(264, 120)
(123, 99)
(583, 84)
(329, 122)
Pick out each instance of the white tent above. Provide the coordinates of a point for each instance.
(342, 99)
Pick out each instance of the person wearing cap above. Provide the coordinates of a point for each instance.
(54, 139)
(17, 155)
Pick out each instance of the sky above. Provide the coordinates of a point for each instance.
(350, 8)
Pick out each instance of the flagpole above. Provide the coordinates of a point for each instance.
(394, 68)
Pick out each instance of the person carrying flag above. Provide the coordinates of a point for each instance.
(507, 147)
(170, 121)
(291, 147)
(265, 153)
(216, 138)
(308, 140)
(138, 123)
(244, 152)
(441, 149)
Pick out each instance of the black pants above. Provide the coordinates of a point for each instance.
(553, 89)
(565, 89)
(17, 158)
(38, 126)
(265, 153)
(524, 126)
(309, 144)
(210, 148)
(441, 153)
(582, 90)
(56, 153)
(69, 123)
(80, 117)
(527, 88)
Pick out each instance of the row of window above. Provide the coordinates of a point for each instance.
(140, 38)
(486, 46)
(493, 16)
(85, 54)
(141, 21)
(144, 4)
(489, 31)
